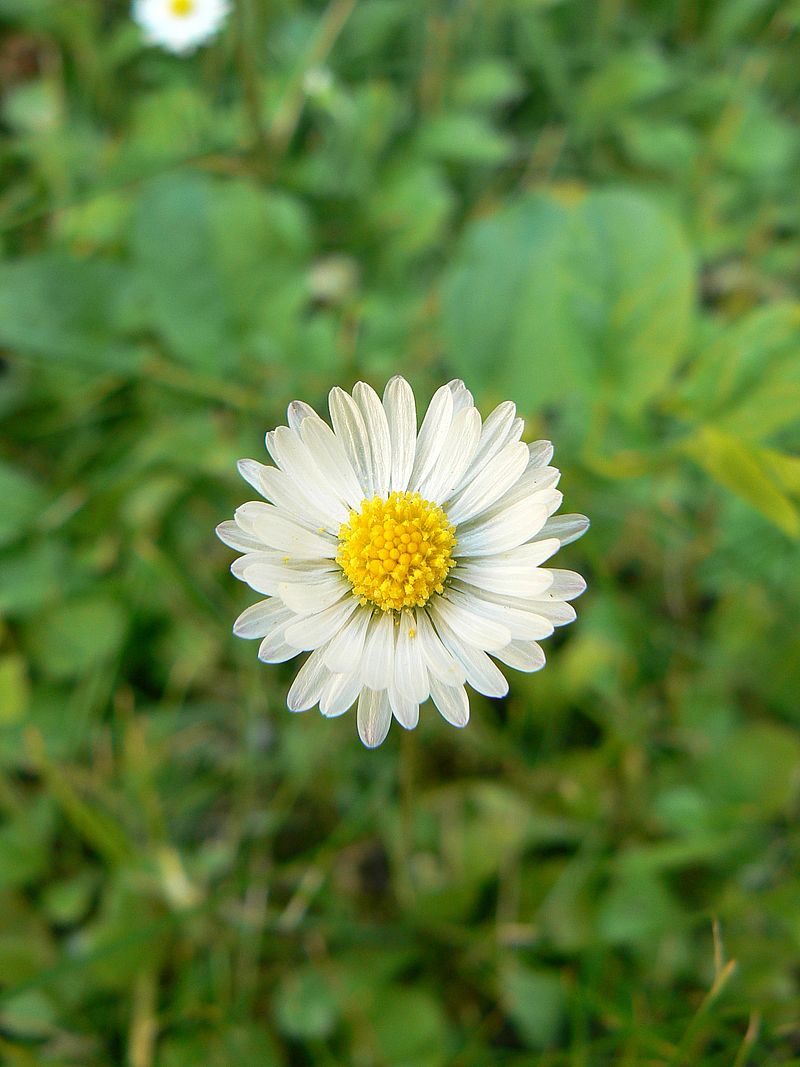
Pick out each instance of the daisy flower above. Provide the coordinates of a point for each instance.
(405, 561)
(180, 25)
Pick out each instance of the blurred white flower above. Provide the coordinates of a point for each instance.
(399, 558)
(180, 25)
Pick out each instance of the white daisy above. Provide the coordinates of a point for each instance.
(180, 25)
(400, 558)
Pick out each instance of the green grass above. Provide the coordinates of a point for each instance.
(589, 208)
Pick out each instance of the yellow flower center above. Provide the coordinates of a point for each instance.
(181, 7)
(396, 553)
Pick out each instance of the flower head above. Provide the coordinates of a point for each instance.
(180, 25)
(402, 560)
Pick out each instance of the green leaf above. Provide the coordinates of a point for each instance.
(628, 78)
(304, 1005)
(410, 1028)
(534, 1001)
(741, 469)
(636, 908)
(221, 268)
(25, 844)
(69, 309)
(487, 83)
(757, 768)
(546, 299)
(30, 575)
(14, 689)
(23, 500)
(28, 1015)
(77, 636)
(463, 137)
(410, 209)
(747, 380)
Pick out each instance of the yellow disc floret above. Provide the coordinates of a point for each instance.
(181, 7)
(396, 553)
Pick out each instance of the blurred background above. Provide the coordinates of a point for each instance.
(589, 208)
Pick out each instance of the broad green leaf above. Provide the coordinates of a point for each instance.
(29, 1015)
(463, 137)
(410, 209)
(14, 689)
(747, 380)
(534, 1001)
(593, 297)
(636, 908)
(305, 1007)
(23, 500)
(487, 83)
(627, 79)
(757, 769)
(410, 1028)
(30, 575)
(73, 638)
(220, 266)
(738, 467)
(58, 307)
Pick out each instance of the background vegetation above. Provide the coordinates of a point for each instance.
(588, 207)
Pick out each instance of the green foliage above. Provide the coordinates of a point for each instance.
(588, 208)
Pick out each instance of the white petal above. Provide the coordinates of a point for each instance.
(308, 597)
(523, 619)
(406, 711)
(378, 432)
(346, 648)
(501, 532)
(259, 619)
(377, 666)
(457, 451)
(440, 663)
(277, 530)
(231, 534)
(499, 576)
(308, 685)
(476, 629)
(331, 458)
(452, 702)
(316, 630)
(294, 457)
(556, 612)
(500, 429)
(401, 414)
(551, 498)
(524, 656)
(340, 693)
(533, 481)
(251, 471)
(541, 452)
(529, 555)
(374, 717)
(567, 528)
(432, 434)
(297, 412)
(348, 422)
(462, 397)
(410, 672)
(280, 489)
(273, 649)
(265, 575)
(566, 585)
(495, 479)
(249, 559)
(534, 553)
(482, 674)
